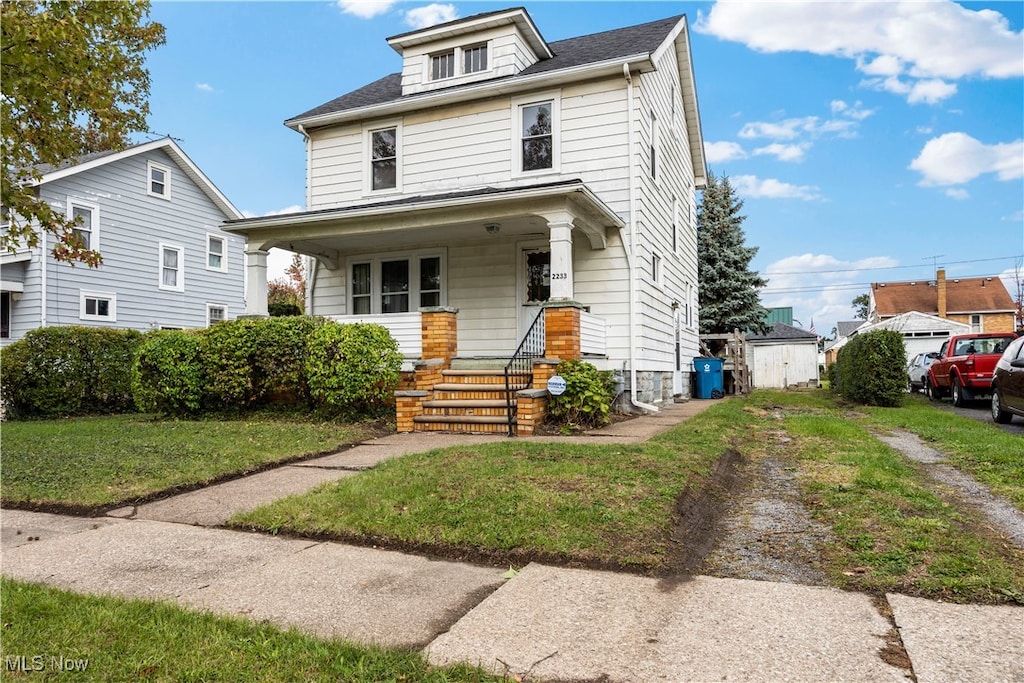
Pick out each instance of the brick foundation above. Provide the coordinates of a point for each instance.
(439, 332)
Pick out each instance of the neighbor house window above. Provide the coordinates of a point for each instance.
(393, 284)
(216, 313)
(216, 253)
(975, 323)
(474, 59)
(159, 180)
(5, 315)
(172, 264)
(384, 161)
(86, 217)
(101, 306)
(442, 65)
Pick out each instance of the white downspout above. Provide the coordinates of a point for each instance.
(311, 263)
(631, 247)
(42, 276)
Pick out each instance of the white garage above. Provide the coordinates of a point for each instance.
(784, 357)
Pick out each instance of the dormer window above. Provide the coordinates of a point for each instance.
(442, 65)
(474, 59)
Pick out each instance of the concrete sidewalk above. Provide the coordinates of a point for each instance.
(546, 623)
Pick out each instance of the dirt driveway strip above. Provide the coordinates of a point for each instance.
(1005, 518)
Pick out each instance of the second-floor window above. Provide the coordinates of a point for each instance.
(172, 263)
(442, 65)
(215, 253)
(537, 138)
(159, 180)
(384, 159)
(86, 217)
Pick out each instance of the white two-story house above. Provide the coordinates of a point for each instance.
(155, 219)
(497, 175)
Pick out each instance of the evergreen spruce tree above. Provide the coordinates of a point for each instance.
(728, 289)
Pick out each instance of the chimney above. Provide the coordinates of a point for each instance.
(940, 281)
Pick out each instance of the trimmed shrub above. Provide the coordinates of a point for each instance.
(168, 376)
(353, 367)
(588, 396)
(871, 369)
(74, 370)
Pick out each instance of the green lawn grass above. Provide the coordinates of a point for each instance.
(604, 504)
(134, 640)
(97, 462)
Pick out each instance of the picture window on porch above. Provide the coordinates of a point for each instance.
(384, 159)
(391, 284)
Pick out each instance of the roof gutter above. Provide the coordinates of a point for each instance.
(504, 86)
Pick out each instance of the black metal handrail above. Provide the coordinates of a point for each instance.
(519, 369)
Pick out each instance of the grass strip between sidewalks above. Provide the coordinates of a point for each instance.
(601, 505)
(59, 634)
(94, 462)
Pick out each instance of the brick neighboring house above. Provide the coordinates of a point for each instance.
(981, 302)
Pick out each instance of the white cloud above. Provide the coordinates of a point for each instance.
(1016, 217)
(957, 158)
(430, 15)
(784, 152)
(957, 193)
(931, 42)
(365, 9)
(205, 87)
(718, 152)
(790, 129)
(855, 111)
(294, 208)
(748, 186)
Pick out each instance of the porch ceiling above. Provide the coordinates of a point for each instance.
(449, 218)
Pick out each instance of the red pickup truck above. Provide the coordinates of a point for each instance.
(964, 366)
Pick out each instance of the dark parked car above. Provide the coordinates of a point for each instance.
(917, 370)
(1008, 383)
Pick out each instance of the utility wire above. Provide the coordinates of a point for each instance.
(858, 270)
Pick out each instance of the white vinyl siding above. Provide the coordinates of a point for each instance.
(383, 153)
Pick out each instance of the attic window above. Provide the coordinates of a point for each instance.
(442, 65)
(159, 181)
(474, 59)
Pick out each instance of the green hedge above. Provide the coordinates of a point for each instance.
(353, 367)
(168, 376)
(871, 369)
(63, 371)
(587, 399)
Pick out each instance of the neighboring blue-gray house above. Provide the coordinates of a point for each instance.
(155, 219)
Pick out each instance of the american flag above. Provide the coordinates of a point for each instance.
(813, 331)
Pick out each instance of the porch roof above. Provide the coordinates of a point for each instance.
(449, 216)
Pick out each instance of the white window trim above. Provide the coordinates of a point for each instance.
(223, 254)
(180, 287)
(459, 55)
(150, 166)
(109, 296)
(518, 103)
(375, 261)
(94, 237)
(368, 132)
(657, 269)
(210, 306)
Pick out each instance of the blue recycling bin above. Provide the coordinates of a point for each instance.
(709, 377)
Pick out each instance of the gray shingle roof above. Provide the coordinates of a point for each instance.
(845, 328)
(782, 331)
(569, 53)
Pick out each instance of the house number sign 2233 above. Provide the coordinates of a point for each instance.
(559, 276)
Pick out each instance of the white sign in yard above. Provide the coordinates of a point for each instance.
(556, 385)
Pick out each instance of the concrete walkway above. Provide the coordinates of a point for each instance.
(546, 623)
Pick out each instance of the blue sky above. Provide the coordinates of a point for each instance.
(869, 141)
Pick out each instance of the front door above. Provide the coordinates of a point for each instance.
(534, 286)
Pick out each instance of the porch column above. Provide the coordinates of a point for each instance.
(256, 282)
(561, 258)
